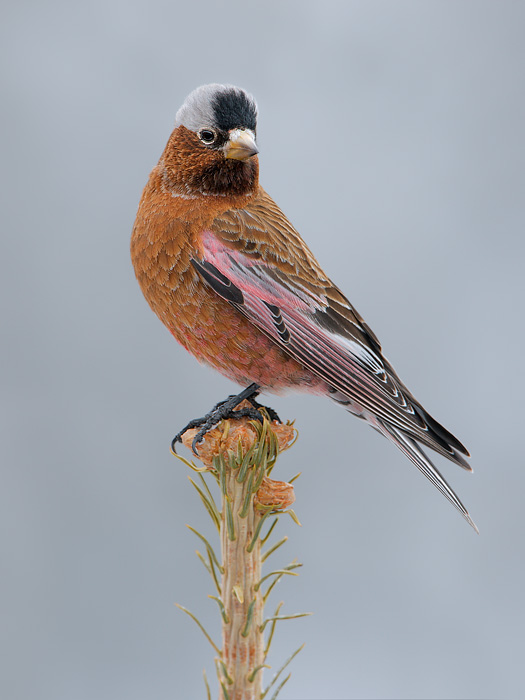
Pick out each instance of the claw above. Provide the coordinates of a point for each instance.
(195, 423)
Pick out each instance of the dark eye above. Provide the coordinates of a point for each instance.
(207, 135)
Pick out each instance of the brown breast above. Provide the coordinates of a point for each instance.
(164, 239)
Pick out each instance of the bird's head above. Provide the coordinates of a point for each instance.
(212, 150)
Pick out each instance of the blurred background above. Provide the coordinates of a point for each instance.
(392, 135)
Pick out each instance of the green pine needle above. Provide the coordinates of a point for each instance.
(189, 464)
(241, 476)
(261, 473)
(258, 531)
(210, 568)
(227, 677)
(290, 567)
(293, 516)
(267, 536)
(208, 547)
(286, 663)
(208, 504)
(229, 520)
(249, 618)
(272, 630)
(208, 693)
(280, 687)
(219, 602)
(277, 572)
(220, 467)
(248, 498)
(201, 627)
(255, 671)
(283, 617)
(262, 448)
(210, 495)
(265, 556)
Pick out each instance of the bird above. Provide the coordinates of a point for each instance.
(235, 284)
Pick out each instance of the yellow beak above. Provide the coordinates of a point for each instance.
(240, 145)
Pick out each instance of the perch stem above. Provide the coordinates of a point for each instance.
(242, 639)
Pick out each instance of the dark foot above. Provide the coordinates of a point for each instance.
(224, 410)
(271, 413)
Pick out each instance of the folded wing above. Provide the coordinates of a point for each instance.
(255, 260)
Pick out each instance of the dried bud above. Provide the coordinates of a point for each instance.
(226, 437)
(278, 494)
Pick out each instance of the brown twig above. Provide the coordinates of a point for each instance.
(240, 454)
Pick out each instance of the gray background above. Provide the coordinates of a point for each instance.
(391, 133)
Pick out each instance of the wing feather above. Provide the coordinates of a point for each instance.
(266, 258)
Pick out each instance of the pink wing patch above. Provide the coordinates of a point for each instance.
(292, 315)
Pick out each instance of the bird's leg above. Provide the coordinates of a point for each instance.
(226, 409)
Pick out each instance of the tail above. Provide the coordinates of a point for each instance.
(416, 455)
(437, 437)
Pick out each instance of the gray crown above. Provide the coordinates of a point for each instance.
(222, 107)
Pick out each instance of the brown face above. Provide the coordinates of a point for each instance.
(197, 168)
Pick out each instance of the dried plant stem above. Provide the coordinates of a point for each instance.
(242, 640)
(240, 455)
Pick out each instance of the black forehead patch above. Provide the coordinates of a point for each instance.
(233, 109)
